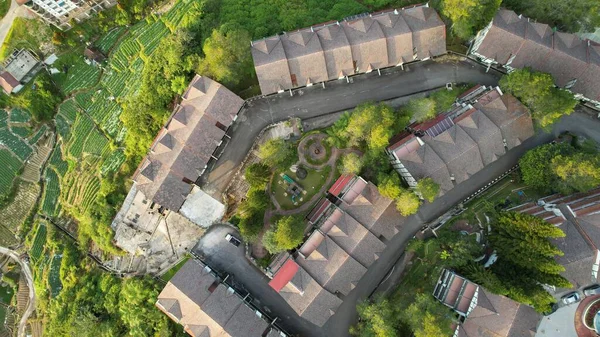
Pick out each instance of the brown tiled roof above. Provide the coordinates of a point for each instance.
(196, 299)
(364, 203)
(352, 237)
(184, 146)
(94, 54)
(8, 82)
(528, 44)
(465, 144)
(330, 265)
(309, 299)
(333, 50)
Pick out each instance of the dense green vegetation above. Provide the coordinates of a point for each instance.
(285, 234)
(468, 16)
(569, 16)
(428, 189)
(561, 168)
(41, 101)
(277, 153)
(258, 175)
(537, 91)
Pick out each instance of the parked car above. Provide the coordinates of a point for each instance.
(571, 298)
(592, 290)
(233, 240)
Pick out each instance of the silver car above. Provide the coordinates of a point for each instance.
(571, 298)
(592, 290)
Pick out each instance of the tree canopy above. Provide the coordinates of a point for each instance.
(428, 189)
(351, 164)
(526, 258)
(287, 233)
(257, 175)
(561, 168)
(407, 203)
(536, 90)
(570, 16)
(227, 58)
(277, 153)
(469, 16)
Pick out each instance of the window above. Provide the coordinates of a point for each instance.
(570, 84)
(221, 126)
(187, 181)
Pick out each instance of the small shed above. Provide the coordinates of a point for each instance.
(94, 54)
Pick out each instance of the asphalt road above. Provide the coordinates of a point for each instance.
(222, 256)
(336, 96)
(29, 276)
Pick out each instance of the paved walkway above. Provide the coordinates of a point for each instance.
(29, 277)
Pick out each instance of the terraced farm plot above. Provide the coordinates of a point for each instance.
(82, 128)
(3, 118)
(17, 210)
(38, 134)
(172, 19)
(84, 187)
(151, 36)
(112, 162)
(115, 81)
(106, 42)
(56, 161)
(7, 238)
(54, 276)
(69, 110)
(9, 167)
(95, 143)
(62, 127)
(99, 106)
(51, 193)
(21, 131)
(17, 145)
(19, 116)
(80, 76)
(37, 246)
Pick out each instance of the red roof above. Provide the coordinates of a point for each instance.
(339, 184)
(8, 82)
(318, 210)
(284, 275)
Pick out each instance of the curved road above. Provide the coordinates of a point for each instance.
(339, 96)
(29, 276)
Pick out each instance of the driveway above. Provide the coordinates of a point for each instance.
(337, 96)
(559, 323)
(29, 277)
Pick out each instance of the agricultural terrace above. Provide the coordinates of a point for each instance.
(90, 131)
(46, 255)
(39, 240)
(15, 148)
(17, 211)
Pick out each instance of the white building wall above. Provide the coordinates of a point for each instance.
(58, 8)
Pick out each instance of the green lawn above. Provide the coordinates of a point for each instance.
(20, 36)
(311, 185)
(6, 294)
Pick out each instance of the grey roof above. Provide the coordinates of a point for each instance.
(309, 299)
(352, 237)
(331, 266)
(344, 48)
(184, 146)
(196, 299)
(525, 43)
(19, 65)
(525, 323)
(425, 162)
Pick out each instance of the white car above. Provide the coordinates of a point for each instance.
(233, 240)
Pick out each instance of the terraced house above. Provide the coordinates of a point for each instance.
(335, 50)
(205, 305)
(514, 41)
(349, 230)
(452, 147)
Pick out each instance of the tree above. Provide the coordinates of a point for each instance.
(277, 153)
(351, 164)
(526, 258)
(258, 175)
(468, 16)
(227, 57)
(428, 189)
(578, 172)
(389, 185)
(407, 203)
(251, 224)
(287, 233)
(377, 319)
(426, 315)
(337, 135)
(41, 99)
(536, 165)
(536, 90)
(573, 16)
